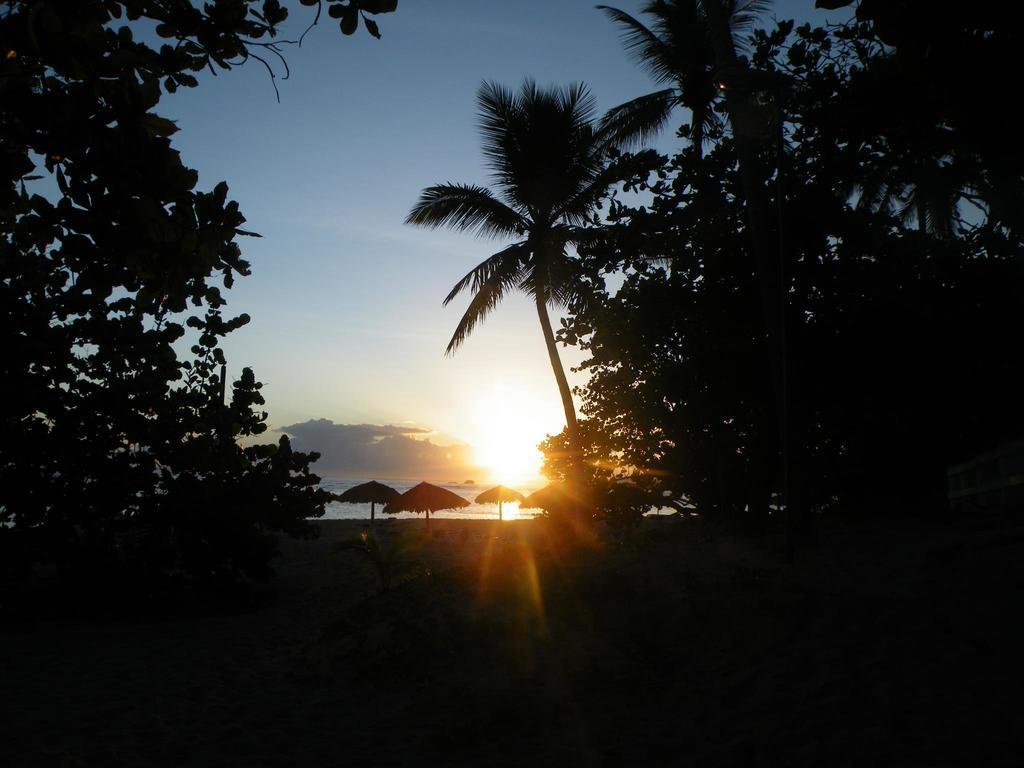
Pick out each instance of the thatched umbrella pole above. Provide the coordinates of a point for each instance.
(499, 494)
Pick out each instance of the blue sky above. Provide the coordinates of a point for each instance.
(346, 300)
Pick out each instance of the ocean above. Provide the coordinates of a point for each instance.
(510, 511)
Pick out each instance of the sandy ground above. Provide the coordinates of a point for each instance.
(881, 646)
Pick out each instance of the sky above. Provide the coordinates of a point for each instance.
(347, 325)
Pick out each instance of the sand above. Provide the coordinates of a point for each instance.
(884, 645)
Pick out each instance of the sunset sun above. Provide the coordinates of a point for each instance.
(508, 426)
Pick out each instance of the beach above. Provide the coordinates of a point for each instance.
(899, 647)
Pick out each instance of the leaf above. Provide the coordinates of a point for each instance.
(371, 27)
(273, 12)
(378, 6)
(350, 21)
(160, 126)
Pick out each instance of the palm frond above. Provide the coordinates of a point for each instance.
(540, 143)
(575, 211)
(741, 16)
(498, 114)
(675, 48)
(876, 193)
(704, 118)
(553, 279)
(485, 270)
(564, 281)
(487, 297)
(744, 15)
(582, 237)
(636, 121)
(932, 209)
(579, 106)
(647, 49)
(466, 207)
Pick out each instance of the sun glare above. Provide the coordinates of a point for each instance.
(508, 426)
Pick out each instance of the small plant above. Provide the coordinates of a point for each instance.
(393, 560)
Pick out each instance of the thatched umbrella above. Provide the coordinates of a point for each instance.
(499, 494)
(372, 493)
(554, 497)
(425, 498)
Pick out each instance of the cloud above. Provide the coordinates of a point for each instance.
(385, 451)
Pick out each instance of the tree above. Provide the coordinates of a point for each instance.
(712, 28)
(674, 399)
(119, 452)
(549, 161)
(935, 97)
(899, 332)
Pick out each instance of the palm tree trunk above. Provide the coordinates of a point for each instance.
(572, 427)
(372, 505)
(559, 371)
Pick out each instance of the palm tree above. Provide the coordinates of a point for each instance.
(677, 51)
(548, 160)
(916, 179)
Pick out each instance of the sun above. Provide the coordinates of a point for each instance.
(508, 425)
(510, 458)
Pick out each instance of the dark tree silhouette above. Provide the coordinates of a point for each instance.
(706, 36)
(119, 456)
(935, 99)
(900, 332)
